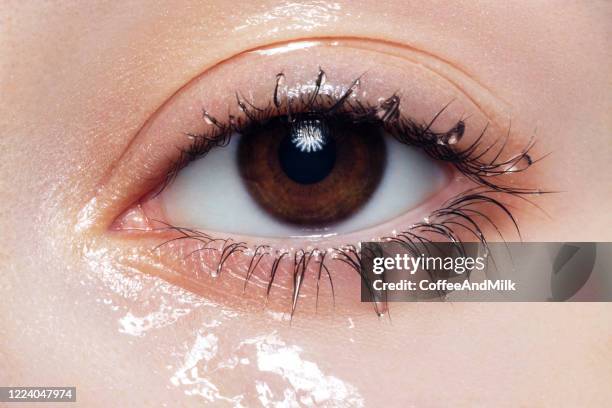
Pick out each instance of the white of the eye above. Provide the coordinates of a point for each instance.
(209, 194)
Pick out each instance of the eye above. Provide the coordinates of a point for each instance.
(271, 167)
(313, 173)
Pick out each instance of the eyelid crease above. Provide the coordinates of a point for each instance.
(424, 58)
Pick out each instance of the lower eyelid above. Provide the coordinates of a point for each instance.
(184, 263)
(228, 287)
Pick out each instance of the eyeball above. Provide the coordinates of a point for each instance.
(302, 177)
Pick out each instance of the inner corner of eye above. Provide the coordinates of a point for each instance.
(306, 176)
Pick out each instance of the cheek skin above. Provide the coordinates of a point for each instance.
(112, 320)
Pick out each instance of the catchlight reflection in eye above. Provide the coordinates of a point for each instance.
(303, 176)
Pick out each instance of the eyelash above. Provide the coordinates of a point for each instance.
(457, 213)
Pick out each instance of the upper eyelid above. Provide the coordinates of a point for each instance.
(113, 198)
(467, 160)
(493, 105)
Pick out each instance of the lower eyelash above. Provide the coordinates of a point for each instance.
(462, 213)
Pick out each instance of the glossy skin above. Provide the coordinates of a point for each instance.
(78, 83)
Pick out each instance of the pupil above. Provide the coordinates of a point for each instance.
(307, 153)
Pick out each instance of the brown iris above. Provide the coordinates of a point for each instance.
(310, 170)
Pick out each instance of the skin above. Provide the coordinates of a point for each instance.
(77, 84)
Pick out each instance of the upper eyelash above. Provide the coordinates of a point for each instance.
(470, 161)
(458, 212)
